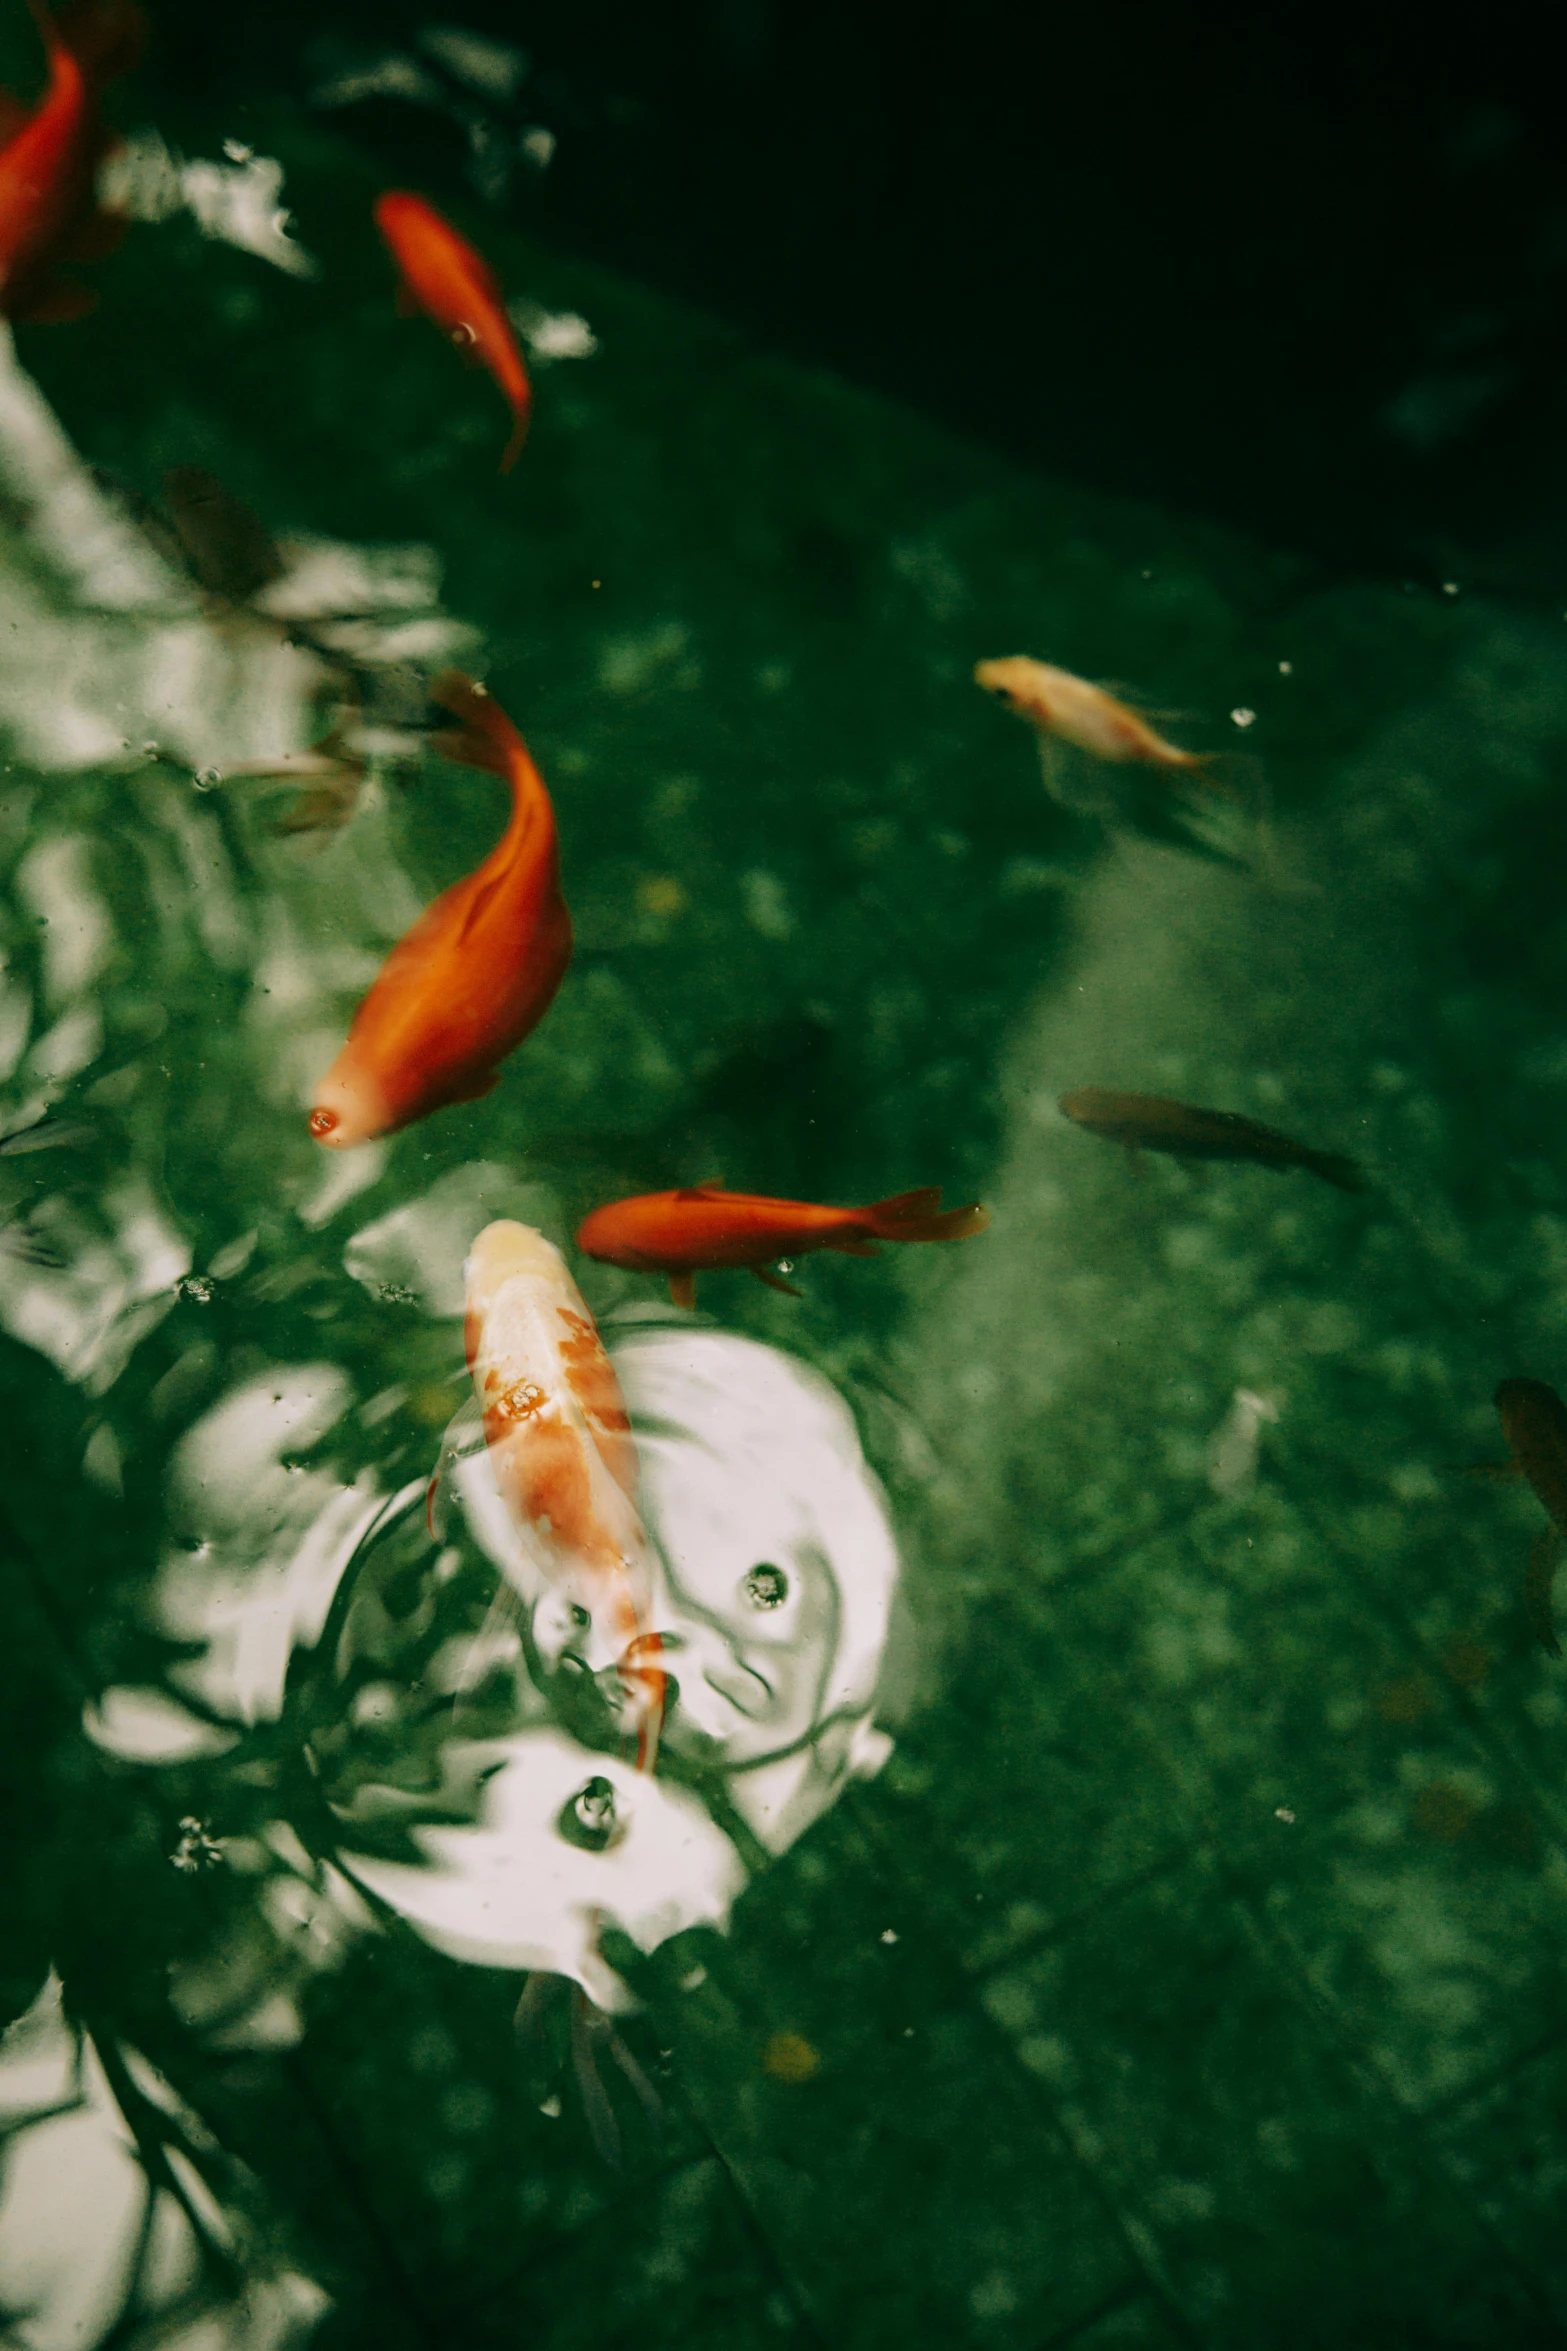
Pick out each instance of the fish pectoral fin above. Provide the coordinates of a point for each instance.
(775, 1281)
(852, 1245)
(682, 1289)
(1543, 1560)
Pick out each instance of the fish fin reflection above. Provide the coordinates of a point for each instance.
(775, 1281)
(682, 1289)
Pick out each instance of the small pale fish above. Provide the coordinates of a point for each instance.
(1150, 1122)
(227, 550)
(1079, 713)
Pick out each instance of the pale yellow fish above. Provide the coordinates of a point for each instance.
(1076, 712)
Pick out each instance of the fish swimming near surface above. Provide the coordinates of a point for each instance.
(1076, 712)
(1149, 1122)
(1534, 1423)
(49, 160)
(705, 1229)
(561, 1449)
(478, 970)
(443, 276)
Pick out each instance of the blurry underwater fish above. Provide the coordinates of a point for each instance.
(333, 771)
(443, 276)
(49, 209)
(1149, 1122)
(705, 1229)
(1101, 758)
(1534, 1422)
(1059, 704)
(228, 551)
(479, 968)
(561, 1449)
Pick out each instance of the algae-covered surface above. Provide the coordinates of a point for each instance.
(1190, 1970)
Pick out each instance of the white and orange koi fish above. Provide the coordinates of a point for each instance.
(561, 1449)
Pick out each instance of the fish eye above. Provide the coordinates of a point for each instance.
(766, 1587)
(322, 1122)
(463, 335)
(588, 1819)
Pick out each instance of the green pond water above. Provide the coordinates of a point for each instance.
(1187, 1972)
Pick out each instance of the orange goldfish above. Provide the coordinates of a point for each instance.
(49, 161)
(561, 1449)
(1534, 1422)
(478, 970)
(705, 1228)
(444, 277)
(1059, 704)
(1149, 1122)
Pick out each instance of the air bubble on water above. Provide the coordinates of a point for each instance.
(237, 151)
(1449, 587)
(1243, 717)
(766, 1586)
(197, 1286)
(595, 1805)
(1282, 1812)
(207, 778)
(890, 1935)
(1286, 669)
(551, 2107)
(786, 1265)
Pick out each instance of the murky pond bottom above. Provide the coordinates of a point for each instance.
(1103, 1879)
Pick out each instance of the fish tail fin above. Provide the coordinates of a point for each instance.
(106, 37)
(484, 736)
(919, 1216)
(1334, 1168)
(519, 434)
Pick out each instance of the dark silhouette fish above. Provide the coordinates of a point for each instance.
(1148, 1122)
(1534, 1422)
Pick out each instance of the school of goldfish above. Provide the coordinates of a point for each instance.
(478, 971)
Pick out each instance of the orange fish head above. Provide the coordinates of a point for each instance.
(349, 1106)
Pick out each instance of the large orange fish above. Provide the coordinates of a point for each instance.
(49, 159)
(478, 970)
(456, 287)
(704, 1229)
(560, 1445)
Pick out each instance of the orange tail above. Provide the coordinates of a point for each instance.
(919, 1216)
(519, 434)
(485, 736)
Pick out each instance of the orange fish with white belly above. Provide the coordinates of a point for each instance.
(561, 1449)
(478, 970)
(1084, 715)
(49, 159)
(443, 276)
(705, 1229)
